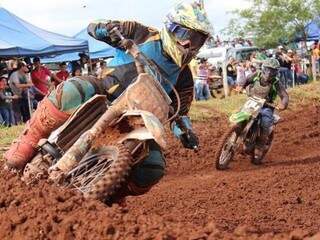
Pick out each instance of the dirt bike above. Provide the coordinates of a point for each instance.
(245, 130)
(95, 149)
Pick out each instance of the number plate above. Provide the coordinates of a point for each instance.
(253, 106)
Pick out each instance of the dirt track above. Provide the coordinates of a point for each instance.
(279, 200)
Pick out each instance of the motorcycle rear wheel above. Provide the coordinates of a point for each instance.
(227, 149)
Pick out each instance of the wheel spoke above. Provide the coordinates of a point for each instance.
(88, 172)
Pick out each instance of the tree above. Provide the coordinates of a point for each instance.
(273, 20)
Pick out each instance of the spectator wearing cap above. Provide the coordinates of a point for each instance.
(19, 84)
(62, 75)
(6, 98)
(40, 76)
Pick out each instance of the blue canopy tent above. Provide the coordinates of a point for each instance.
(20, 38)
(312, 31)
(97, 49)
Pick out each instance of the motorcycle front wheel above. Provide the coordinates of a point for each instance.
(227, 149)
(102, 171)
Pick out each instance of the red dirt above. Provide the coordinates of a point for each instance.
(278, 200)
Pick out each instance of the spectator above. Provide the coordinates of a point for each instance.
(6, 102)
(3, 68)
(253, 68)
(12, 64)
(300, 76)
(231, 72)
(39, 77)
(315, 53)
(76, 72)
(316, 50)
(241, 77)
(80, 64)
(262, 55)
(102, 71)
(62, 75)
(202, 86)
(248, 69)
(285, 67)
(19, 84)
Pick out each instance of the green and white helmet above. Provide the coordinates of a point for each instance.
(271, 63)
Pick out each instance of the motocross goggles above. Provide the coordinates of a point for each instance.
(270, 72)
(187, 37)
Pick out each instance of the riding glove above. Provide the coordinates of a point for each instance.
(182, 129)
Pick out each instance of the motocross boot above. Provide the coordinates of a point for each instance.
(261, 149)
(43, 121)
(258, 156)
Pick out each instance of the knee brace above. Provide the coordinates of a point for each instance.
(69, 95)
(148, 172)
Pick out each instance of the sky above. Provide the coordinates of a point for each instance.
(69, 17)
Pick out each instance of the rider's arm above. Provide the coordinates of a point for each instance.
(129, 30)
(181, 125)
(184, 87)
(281, 91)
(247, 81)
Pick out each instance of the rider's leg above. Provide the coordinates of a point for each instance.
(148, 172)
(144, 175)
(267, 121)
(51, 113)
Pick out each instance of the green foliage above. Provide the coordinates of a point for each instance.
(272, 20)
(7, 135)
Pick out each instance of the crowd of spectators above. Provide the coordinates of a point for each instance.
(206, 75)
(23, 83)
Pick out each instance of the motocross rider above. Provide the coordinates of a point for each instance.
(186, 29)
(266, 84)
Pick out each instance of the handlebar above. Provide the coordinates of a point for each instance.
(274, 106)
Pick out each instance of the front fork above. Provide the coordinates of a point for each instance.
(242, 130)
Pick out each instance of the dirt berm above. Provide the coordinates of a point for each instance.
(278, 200)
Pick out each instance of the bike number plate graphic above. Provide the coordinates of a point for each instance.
(252, 106)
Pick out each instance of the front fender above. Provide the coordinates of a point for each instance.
(239, 117)
(153, 128)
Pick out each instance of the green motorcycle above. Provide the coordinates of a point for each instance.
(245, 130)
